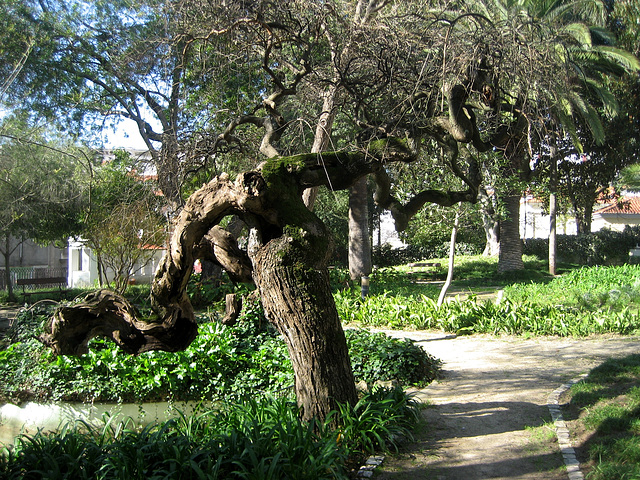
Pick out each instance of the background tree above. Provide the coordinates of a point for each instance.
(571, 56)
(39, 195)
(125, 222)
(98, 63)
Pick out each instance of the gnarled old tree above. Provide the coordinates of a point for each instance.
(412, 80)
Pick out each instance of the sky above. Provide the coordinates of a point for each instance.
(125, 136)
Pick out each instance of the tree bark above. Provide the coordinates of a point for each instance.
(583, 222)
(510, 256)
(553, 212)
(552, 233)
(359, 243)
(7, 268)
(490, 224)
(452, 257)
(297, 299)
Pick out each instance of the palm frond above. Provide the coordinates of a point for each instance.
(603, 36)
(622, 57)
(607, 99)
(579, 32)
(564, 112)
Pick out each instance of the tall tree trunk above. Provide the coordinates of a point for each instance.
(359, 243)
(553, 211)
(6, 253)
(583, 222)
(297, 299)
(490, 224)
(552, 233)
(492, 234)
(510, 257)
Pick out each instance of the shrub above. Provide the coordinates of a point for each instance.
(605, 247)
(222, 363)
(376, 356)
(381, 419)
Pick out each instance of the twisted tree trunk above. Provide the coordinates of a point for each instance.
(288, 259)
(289, 268)
(296, 296)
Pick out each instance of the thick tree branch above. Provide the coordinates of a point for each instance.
(173, 326)
(221, 247)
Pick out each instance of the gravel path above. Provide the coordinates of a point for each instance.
(484, 411)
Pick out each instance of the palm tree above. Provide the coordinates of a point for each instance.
(557, 56)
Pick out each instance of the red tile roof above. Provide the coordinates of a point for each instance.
(624, 205)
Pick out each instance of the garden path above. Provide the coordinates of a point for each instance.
(493, 392)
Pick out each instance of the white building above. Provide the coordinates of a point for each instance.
(614, 215)
(83, 267)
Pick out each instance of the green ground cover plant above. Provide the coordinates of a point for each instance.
(604, 288)
(251, 440)
(223, 363)
(580, 302)
(606, 406)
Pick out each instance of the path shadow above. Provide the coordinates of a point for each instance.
(457, 443)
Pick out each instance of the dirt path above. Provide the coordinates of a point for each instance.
(489, 417)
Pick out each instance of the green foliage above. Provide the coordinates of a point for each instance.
(595, 289)
(221, 363)
(378, 357)
(253, 440)
(211, 293)
(605, 247)
(582, 302)
(380, 420)
(609, 399)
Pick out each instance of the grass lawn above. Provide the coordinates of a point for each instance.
(604, 418)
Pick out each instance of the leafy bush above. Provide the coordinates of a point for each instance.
(376, 356)
(605, 247)
(265, 440)
(381, 419)
(222, 362)
(469, 316)
(581, 302)
(592, 289)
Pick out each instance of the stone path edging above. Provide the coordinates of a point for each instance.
(562, 432)
(366, 470)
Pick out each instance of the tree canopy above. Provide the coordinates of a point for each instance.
(40, 198)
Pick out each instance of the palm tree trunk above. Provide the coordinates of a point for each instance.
(510, 256)
(359, 244)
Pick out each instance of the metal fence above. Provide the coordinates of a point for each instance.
(30, 272)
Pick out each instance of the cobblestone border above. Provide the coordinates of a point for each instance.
(562, 432)
(366, 470)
